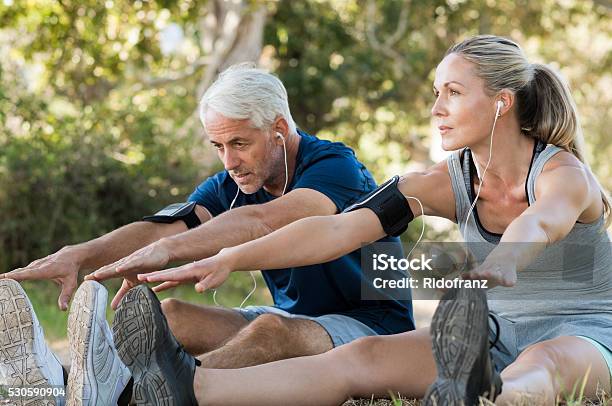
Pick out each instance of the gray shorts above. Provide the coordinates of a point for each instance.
(342, 329)
(515, 337)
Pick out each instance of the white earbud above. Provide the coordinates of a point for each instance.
(279, 135)
(500, 105)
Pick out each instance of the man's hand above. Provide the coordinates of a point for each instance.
(153, 257)
(207, 274)
(62, 267)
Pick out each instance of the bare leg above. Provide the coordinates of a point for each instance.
(228, 340)
(372, 365)
(551, 368)
(269, 338)
(201, 328)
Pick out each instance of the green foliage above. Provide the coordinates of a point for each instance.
(85, 148)
(360, 77)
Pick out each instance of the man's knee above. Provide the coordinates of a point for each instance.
(269, 335)
(268, 326)
(171, 307)
(287, 337)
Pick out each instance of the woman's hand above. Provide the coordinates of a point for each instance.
(497, 273)
(151, 258)
(208, 273)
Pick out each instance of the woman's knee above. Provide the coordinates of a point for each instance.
(358, 358)
(564, 361)
(379, 364)
(360, 351)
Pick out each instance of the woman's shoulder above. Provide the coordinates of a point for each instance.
(562, 158)
(576, 177)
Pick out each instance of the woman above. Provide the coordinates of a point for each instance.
(514, 125)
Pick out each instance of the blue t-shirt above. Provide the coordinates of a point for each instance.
(334, 287)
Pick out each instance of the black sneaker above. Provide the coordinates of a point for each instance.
(163, 372)
(459, 333)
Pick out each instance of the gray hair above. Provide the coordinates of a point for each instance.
(243, 91)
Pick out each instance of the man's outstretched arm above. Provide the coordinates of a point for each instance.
(226, 230)
(64, 265)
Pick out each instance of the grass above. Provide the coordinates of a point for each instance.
(574, 398)
(603, 399)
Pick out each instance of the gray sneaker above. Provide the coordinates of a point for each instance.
(25, 359)
(97, 375)
(459, 334)
(163, 372)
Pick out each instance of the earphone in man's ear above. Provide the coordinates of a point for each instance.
(500, 105)
(279, 135)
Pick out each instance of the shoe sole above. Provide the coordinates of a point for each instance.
(456, 331)
(82, 389)
(17, 337)
(137, 336)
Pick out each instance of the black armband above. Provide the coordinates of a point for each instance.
(390, 205)
(175, 212)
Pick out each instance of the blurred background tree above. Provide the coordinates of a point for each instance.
(98, 120)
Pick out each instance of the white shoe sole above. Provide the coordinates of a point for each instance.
(25, 360)
(97, 376)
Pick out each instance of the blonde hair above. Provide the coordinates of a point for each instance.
(546, 109)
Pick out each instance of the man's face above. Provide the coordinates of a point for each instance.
(249, 154)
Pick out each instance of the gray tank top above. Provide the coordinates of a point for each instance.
(569, 280)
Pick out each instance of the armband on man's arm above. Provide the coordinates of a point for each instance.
(390, 205)
(175, 212)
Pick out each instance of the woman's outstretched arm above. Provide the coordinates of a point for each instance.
(548, 220)
(312, 240)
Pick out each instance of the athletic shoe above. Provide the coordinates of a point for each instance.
(97, 375)
(25, 359)
(163, 372)
(459, 332)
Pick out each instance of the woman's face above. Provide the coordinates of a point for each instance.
(462, 112)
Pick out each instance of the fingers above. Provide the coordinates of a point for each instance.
(104, 273)
(27, 273)
(202, 286)
(183, 273)
(165, 286)
(214, 280)
(65, 295)
(125, 287)
(130, 263)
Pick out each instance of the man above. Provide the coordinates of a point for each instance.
(274, 174)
